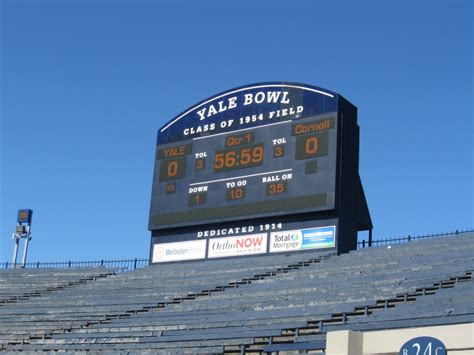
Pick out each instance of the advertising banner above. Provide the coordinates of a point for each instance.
(301, 239)
(286, 241)
(239, 245)
(189, 250)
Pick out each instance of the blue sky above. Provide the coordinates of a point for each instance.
(85, 85)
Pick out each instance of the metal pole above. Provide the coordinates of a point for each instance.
(25, 251)
(15, 250)
(370, 237)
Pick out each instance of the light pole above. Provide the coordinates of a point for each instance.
(23, 230)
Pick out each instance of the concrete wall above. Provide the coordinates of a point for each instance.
(458, 339)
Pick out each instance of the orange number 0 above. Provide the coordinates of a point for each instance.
(311, 145)
(172, 168)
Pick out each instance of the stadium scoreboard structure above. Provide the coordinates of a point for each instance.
(265, 168)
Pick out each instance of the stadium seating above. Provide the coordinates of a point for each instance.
(21, 283)
(251, 305)
(19, 286)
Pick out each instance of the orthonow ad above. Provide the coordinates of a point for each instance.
(240, 245)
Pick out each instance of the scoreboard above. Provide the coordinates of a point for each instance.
(267, 152)
(267, 170)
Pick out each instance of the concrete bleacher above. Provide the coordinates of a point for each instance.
(254, 304)
(127, 294)
(20, 283)
(19, 287)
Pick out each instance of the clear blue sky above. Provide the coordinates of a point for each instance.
(85, 86)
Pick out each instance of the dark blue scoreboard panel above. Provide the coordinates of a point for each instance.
(258, 151)
(279, 168)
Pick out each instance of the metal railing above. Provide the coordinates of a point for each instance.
(132, 264)
(124, 264)
(409, 238)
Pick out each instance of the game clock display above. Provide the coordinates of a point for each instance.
(283, 167)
